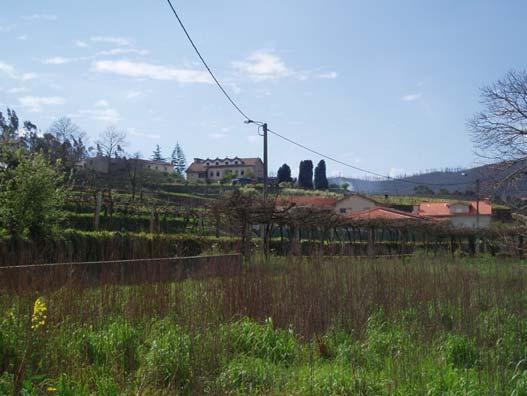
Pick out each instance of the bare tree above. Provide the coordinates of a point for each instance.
(64, 128)
(499, 131)
(111, 142)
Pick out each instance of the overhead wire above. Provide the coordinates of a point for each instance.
(249, 120)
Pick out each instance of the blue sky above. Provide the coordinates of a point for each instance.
(385, 85)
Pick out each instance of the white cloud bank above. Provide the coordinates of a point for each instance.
(263, 65)
(411, 97)
(151, 71)
(35, 103)
(40, 17)
(11, 72)
(121, 41)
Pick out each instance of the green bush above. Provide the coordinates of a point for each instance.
(116, 346)
(166, 360)
(336, 380)
(249, 375)
(460, 352)
(262, 341)
(452, 381)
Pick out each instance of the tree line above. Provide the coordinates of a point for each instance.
(305, 179)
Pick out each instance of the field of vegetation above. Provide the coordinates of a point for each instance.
(339, 326)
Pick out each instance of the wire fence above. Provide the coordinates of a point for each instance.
(45, 277)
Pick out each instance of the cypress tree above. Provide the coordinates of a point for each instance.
(321, 181)
(284, 174)
(305, 175)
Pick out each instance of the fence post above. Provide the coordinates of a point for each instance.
(371, 242)
(98, 210)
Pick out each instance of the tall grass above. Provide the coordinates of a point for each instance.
(289, 326)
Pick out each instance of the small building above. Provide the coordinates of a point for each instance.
(459, 213)
(216, 169)
(102, 164)
(348, 204)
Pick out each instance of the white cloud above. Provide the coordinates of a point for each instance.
(22, 37)
(217, 135)
(110, 40)
(148, 70)
(263, 65)
(411, 97)
(134, 132)
(35, 103)
(58, 60)
(11, 72)
(80, 44)
(17, 90)
(101, 103)
(100, 114)
(8, 69)
(40, 17)
(121, 51)
(134, 94)
(328, 75)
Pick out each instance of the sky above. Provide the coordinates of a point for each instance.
(383, 85)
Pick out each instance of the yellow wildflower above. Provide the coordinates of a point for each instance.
(51, 389)
(39, 314)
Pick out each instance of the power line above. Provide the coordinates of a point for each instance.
(362, 169)
(249, 120)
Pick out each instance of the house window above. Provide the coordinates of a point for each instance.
(242, 173)
(226, 162)
(217, 163)
(208, 163)
(342, 210)
(236, 162)
(211, 174)
(218, 174)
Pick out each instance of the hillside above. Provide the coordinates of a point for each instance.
(458, 183)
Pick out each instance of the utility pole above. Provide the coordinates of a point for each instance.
(266, 165)
(477, 203)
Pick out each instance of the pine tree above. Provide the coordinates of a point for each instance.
(178, 159)
(156, 155)
(305, 175)
(284, 174)
(321, 181)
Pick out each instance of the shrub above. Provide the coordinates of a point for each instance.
(167, 357)
(336, 380)
(263, 341)
(114, 346)
(460, 352)
(452, 381)
(248, 375)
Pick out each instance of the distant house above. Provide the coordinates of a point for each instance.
(216, 169)
(459, 213)
(102, 164)
(348, 204)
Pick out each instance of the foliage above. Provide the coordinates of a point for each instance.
(178, 159)
(305, 175)
(30, 197)
(321, 181)
(156, 155)
(284, 174)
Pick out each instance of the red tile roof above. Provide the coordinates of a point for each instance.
(382, 213)
(442, 209)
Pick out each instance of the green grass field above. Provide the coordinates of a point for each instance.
(338, 326)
